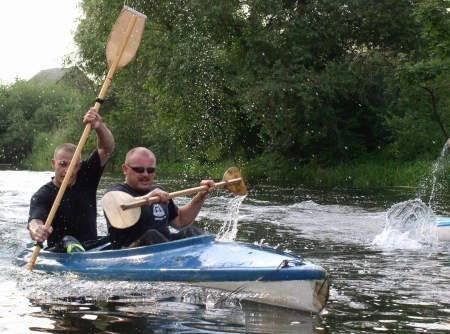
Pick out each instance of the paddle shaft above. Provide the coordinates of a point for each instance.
(140, 201)
(84, 137)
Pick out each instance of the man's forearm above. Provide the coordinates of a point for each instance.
(187, 213)
(105, 142)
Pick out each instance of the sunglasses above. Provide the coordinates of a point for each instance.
(63, 163)
(141, 170)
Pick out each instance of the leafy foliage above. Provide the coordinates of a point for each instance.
(303, 83)
(29, 110)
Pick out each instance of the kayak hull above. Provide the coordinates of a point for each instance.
(305, 295)
(260, 273)
(443, 229)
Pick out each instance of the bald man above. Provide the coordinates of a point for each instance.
(152, 227)
(76, 217)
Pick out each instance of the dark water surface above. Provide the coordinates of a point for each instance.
(375, 287)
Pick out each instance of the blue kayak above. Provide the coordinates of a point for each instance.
(443, 228)
(263, 274)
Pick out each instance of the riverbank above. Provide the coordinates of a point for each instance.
(362, 175)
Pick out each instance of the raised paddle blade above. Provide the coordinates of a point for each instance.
(236, 188)
(117, 217)
(129, 23)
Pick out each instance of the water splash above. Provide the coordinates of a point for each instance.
(434, 189)
(412, 224)
(409, 225)
(412, 214)
(229, 229)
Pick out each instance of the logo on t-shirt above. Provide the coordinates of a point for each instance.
(158, 212)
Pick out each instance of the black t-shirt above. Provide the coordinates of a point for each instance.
(155, 216)
(77, 212)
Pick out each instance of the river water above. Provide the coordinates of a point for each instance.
(376, 287)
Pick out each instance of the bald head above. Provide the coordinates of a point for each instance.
(65, 148)
(139, 152)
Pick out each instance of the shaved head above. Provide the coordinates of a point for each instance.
(66, 148)
(139, 151)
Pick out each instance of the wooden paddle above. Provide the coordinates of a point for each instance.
(123, 42)
(123, 210)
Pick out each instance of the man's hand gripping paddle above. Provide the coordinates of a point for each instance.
(123, 42)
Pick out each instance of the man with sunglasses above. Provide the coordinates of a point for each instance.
(75, 223)
(153, 224)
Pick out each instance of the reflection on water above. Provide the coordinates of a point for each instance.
(373, 288)
(137, 315)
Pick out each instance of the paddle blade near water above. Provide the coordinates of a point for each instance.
(238, 188)
(125, 37)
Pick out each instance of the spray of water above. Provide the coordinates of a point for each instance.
(434, 189)
(413, 223)
(412, 214)
(229, 228)
(409, 225)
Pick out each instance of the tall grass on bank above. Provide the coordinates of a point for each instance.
(364, 175)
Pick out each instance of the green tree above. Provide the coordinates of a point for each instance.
(312, 81)
(29, 110)
(420, 113)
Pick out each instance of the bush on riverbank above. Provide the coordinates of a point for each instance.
(363, 175)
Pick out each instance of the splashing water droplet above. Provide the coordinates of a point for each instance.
(409, 224)
(228, 230)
